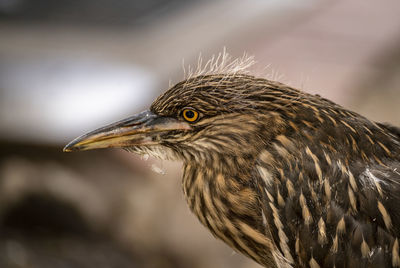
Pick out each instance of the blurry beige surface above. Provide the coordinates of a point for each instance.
(108, 208)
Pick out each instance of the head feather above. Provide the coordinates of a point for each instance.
(222, 63)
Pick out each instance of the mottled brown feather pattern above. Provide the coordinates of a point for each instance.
(285, 177)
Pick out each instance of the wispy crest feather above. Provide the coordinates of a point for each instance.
(222, 63)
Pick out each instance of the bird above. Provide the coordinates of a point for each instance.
(287, 178)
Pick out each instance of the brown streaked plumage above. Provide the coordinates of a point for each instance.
(287, 178)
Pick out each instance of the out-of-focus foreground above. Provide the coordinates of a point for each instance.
(67, 67)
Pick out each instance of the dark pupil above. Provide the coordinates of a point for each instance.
(189, 114)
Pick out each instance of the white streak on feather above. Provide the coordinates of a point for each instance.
(159, 152)
(368, 179)
(283, 239)
(265, 175)
(280, 260)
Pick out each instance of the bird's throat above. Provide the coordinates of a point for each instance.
(229, 207)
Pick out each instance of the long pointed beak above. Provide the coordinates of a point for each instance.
(140, 129)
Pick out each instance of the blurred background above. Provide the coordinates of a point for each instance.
(67, 67)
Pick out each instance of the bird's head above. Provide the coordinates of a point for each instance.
(201, 119)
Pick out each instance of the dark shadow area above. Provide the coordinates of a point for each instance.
(45, 216)
(100, 13)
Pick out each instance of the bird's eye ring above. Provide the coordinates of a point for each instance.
(190, 115)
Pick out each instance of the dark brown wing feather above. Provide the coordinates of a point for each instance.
(329, 208)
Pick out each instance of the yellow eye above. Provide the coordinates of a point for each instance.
(190, 115)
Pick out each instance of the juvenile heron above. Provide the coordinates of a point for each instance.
(287, 178)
